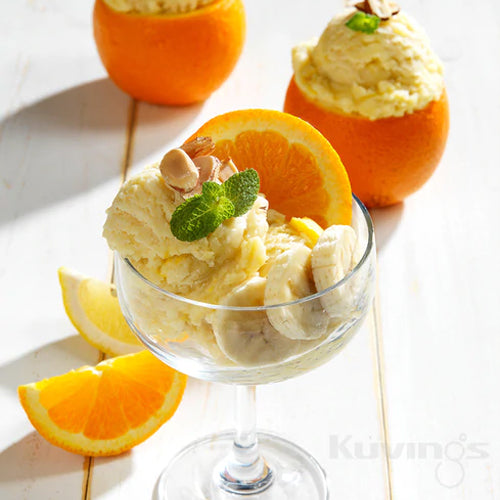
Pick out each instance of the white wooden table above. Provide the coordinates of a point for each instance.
(410, 410)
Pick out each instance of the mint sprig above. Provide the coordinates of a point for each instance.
(242, 189)
(202, 214)
(366, 23)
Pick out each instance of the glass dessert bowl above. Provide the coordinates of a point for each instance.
(240, 342)
(242, 257)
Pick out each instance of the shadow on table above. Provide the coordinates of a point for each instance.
(72, 141)
(47, 361)
(386, 220)
(33, 457)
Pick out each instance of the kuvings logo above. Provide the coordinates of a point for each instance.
(449, 457)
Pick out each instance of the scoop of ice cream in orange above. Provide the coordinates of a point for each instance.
(171, 52)
(379, 98)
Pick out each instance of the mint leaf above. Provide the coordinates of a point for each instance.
(366, 23)
(242, 189)
(212, 190)
(200, 215)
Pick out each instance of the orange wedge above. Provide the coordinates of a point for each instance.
(105, 409)
(300, 173)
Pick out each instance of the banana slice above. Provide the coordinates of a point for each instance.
(331, 259)
(289, 279)
(247, 337)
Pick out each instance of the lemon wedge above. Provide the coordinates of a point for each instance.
(93, 308)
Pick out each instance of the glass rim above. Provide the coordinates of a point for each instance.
(308, 298)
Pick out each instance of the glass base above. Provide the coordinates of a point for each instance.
(192, 473)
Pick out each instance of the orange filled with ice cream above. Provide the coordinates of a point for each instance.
(376, 92)
(169, 51)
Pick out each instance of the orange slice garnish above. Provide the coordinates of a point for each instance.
(300, 173)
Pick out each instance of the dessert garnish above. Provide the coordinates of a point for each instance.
(370, 13)
(200, 146)
(361, 21)
(203, 213)
(214, 191)
(179, 171)
(186, 168)
(383, 9)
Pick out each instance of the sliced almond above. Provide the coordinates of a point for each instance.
(395, 8)
(383, 9)
(364, 7)
(201, 146)
(227, 169)
(179, 171)
(208, 168)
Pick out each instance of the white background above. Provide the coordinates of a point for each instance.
(414, 398)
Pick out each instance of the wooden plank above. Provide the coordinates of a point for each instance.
(62, 133)
(439, 271)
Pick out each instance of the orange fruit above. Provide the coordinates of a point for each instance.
(170, 58)
(104, 409)
(300, 173)
(386, 159)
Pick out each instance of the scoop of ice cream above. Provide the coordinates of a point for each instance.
(157, 6)
(390, 72)
(280, 237)
(138, 228)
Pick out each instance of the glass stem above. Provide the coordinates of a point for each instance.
(245, 446)
(244, 470)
